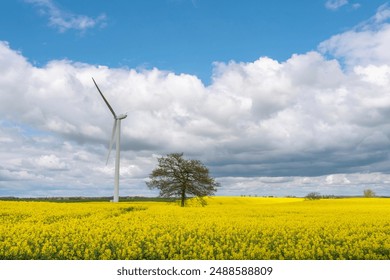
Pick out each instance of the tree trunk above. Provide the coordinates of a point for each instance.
(183, 197)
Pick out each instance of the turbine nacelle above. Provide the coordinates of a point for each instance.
(121, 117)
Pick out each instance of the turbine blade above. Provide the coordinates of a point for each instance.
(105, 100)
(111, 140)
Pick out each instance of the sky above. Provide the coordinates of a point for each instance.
(278, 98)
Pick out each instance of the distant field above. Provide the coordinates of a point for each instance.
(228, 228)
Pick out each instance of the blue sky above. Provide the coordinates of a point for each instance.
(275, 97)
(183, 36)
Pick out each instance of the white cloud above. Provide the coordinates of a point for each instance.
(264, 127)
(50, 162)
(63, 20)
(366, 44)
(383, 14)
(377, 75)
(335, 4)
(335, 184)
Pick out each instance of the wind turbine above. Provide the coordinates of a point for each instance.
(116, 133)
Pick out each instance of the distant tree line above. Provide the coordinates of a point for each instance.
(315, 195)
(86, 199)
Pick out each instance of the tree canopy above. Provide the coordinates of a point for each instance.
(178, 177)
(368, 193)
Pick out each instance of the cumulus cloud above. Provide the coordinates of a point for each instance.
(63, 20)
(335, 4)
(50, 162)
(366, 44)
(283, 128)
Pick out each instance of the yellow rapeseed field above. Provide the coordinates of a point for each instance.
(227, 228)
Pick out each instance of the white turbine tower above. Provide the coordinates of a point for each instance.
(116, 132)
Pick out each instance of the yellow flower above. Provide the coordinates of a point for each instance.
(228, 228)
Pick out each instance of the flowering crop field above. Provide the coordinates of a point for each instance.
(227, 228)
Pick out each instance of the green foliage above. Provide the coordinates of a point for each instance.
(178, 177)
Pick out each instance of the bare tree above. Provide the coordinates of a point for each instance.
(368, 193)
(313, 196)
